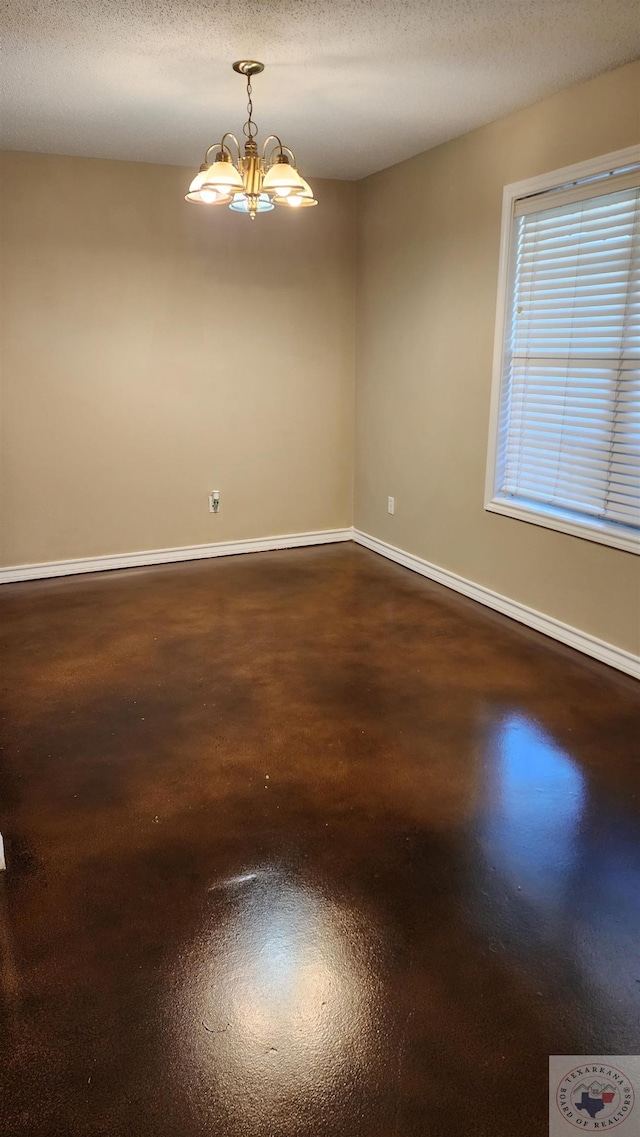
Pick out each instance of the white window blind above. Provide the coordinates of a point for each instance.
(569, 420)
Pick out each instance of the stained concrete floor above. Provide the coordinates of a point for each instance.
(302, 844)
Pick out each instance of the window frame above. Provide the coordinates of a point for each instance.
(603, 532)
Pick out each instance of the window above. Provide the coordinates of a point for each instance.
(565, 419)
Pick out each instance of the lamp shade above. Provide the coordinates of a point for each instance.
(222, 175)
(302, 199)
(215, 184)
(203, 193)
(282, 179)
(240, 204)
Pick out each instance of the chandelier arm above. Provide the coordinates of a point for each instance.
(222, 145)
(270, 138)
(282, 149)
(230, 135)
(215, 146)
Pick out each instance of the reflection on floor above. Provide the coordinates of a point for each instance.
(562, 870)
(302, 844)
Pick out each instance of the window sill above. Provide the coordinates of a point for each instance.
(617, 536)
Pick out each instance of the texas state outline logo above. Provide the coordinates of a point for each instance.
(596, 1097)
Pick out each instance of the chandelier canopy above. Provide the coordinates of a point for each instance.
(253, 182)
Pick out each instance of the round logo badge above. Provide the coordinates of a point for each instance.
(594, 1098)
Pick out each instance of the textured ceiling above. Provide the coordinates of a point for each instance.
(351, 85)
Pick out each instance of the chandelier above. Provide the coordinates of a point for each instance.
(254, 182)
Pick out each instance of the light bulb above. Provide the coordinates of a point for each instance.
(209, 195)
(294, 201)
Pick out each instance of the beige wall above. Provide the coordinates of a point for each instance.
(153, 351)
(428, 244)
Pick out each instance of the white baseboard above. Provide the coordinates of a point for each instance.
(590, 645)
(167, 556)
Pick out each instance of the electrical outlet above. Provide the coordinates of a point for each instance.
(391, 505)
(214, 501)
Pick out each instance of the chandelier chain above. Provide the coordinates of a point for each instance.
(249, 129)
